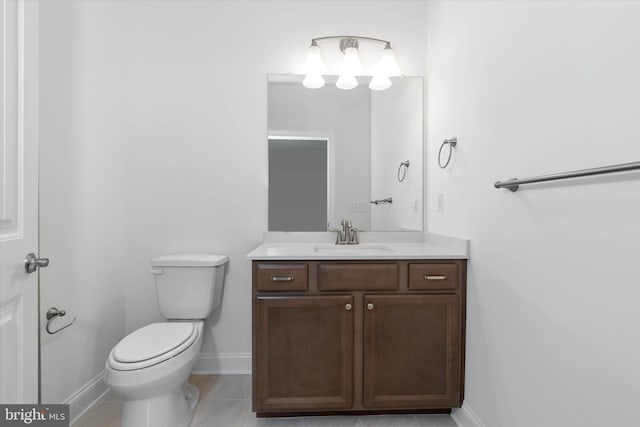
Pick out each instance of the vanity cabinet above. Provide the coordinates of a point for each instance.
(358, 336)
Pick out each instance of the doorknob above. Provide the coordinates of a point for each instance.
(31, 263)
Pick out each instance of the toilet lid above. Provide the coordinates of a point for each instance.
(153, 341)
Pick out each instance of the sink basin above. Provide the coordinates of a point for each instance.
(351, 249)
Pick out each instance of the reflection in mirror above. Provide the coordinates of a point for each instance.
(333, 152)
(298, 184)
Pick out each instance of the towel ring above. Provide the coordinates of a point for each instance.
(451, 142)
(404, 171)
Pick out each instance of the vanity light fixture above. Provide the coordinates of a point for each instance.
(351, 66)
(314, 68)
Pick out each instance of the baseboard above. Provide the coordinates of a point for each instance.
(85, 397)
(466, 417)
(223, 363)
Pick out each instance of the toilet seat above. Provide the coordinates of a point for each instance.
(152, 344)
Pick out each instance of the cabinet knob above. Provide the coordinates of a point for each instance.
(370, 306)
(348, 307)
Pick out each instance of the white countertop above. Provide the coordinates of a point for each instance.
(370, 250)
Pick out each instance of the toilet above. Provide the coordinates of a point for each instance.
(149, 367)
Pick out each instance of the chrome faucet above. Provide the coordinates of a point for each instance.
(341, 235)
(347, 235)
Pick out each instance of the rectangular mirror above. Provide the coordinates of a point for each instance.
(336, 154)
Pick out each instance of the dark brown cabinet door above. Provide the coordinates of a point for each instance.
(304, 353)
(412, 351)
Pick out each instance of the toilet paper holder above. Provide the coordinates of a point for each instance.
(52, 314)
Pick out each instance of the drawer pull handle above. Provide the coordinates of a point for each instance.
(282, 278)
(348, 307)
(429, 277)
(370, 306)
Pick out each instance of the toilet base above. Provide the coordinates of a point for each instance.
(172, 409)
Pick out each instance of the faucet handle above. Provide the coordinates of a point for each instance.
(339, 235)
(355, 238)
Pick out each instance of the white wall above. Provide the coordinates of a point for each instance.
(196, 102)
(531, 88)
(82, 183)
(155, 123)
(397, 126)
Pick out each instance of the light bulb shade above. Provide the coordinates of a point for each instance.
(346, 81)
(351, 63)
(380, 83)
(314, 64)
(387, 66)
(313, 81)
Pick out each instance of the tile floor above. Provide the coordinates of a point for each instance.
(225, 401)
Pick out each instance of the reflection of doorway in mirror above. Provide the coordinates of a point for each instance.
(298, 183)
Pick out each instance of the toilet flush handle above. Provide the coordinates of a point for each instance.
(156, 271)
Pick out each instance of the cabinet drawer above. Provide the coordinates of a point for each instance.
(281, 277)
(433, 276)
(356, 277)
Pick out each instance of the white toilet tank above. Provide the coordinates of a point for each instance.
(188, 285)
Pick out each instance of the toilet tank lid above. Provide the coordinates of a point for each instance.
(189, 260)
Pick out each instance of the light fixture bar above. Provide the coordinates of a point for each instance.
(351, 37)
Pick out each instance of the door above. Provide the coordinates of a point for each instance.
(19, 202)
(412, 351)
(303, 353)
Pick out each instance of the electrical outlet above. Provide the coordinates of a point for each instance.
(358, 207)
(440, 202)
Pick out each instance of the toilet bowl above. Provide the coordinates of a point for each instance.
(149, 368)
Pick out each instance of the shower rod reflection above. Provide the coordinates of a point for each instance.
(382, 201)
